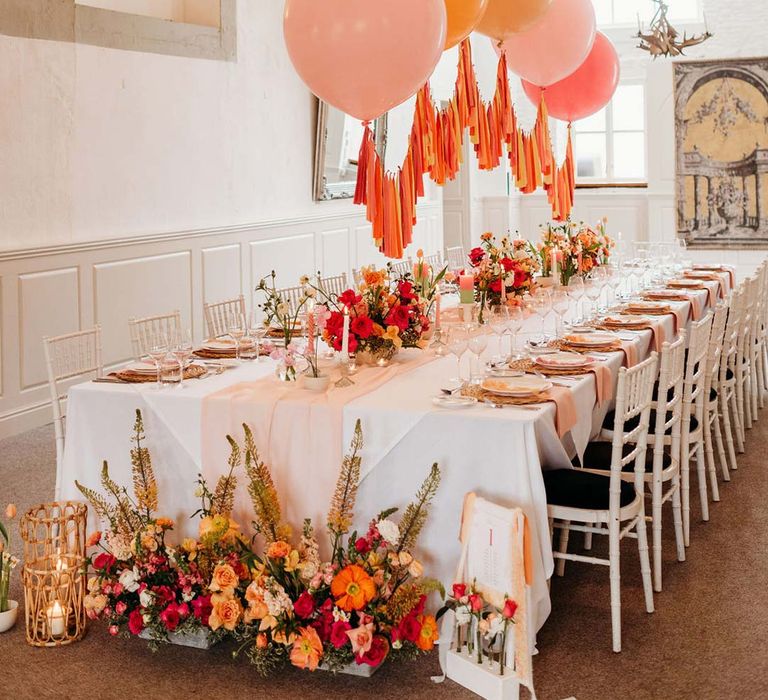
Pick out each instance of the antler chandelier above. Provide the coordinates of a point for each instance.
(663, 39)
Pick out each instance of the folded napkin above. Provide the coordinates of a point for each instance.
(566, 415)
(630, 353)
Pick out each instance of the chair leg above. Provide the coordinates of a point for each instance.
(721, 449)
(564, 534)
(588, 538)
(685, 477)
(678, 518)
(701, 469)
(645, 562)
(710, 455)
(725, 412)
(656, 496)
(615, 573)
(738, 428)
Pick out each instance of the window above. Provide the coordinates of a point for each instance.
(624, 12)
(610, 146)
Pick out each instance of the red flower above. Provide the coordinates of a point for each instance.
(202, 608)
(419, 609)
(510, 607)
(405, 289)
(376, 654)
(338, 341)
(304, 605)
(164, 595)
(495, 285)
(324, 623)
(362, 546)
(459, 590)
(135, 622)
(476, 602)
(339, 635)
(104, 561)
(183, 609)
(507, 264)
(521, 277)
(335, 323)
(476, 255)
(349, 298)
(361, 326)
(398, 316)
(170, 617)
(409, 628)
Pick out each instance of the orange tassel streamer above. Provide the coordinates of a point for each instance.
(435, 147)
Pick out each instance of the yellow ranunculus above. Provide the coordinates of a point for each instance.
(393, 334)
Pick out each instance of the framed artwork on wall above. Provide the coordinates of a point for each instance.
(721, 138)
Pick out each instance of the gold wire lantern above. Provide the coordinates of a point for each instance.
(54, 573)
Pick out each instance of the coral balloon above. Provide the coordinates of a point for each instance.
(463, 16)
(554, 47)
(587, 90)
(506, 17)
(364, 57)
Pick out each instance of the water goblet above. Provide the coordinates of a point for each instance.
(576, 293)
(514, 324)
(236, 328)
(457, 341)
(478, 342)
(182, 351)
(158, 351)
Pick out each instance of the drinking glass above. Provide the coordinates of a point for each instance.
(182, 351)
(457, 341)
(256, 331)
(540, 303)
(478, 342)
(236, 328)
(593, 291)
(514, 324)
(560, 305)
(576, 292)
(499, 319)
(158, 351)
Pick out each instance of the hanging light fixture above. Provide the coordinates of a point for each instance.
(663, 39)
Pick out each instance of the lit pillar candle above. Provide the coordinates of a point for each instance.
(467, 289)
(345, 338)
(437, 310)
(56, 619)
(554, 265)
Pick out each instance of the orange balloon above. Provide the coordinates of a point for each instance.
(463, 16)
(505, 17)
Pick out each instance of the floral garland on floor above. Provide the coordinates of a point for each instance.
(283, 605)
(577, 248)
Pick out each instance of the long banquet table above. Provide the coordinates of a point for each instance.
(499, 454)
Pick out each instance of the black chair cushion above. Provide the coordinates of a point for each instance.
(598, 456)
(728, 374)
(670, 393)
(632, 423)
(713, 394)
(574, 488)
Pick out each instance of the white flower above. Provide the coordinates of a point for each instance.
(303, 279)
(147, 618)
(463, 616)
(340, 615)
(309, 293)
(199, 492)
(186, 597)
(389, 531)
(129, 580)
(145, 598)
(496, 627)
(282, 309)
(119, 546)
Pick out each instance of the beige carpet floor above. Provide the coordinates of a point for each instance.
(706, 640)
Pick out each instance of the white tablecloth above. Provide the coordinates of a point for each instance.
(498, 453)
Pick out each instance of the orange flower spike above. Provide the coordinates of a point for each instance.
(353, 588)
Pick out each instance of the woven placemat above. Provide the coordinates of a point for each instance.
(650, 296)
(191, 372)
(567, 347)
(704, 276)
(207, 354)
(477, 392)
(530, 367)
(657, 311)
(673, 285)
(630, 324)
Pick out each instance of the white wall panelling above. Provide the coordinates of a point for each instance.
(48, 291)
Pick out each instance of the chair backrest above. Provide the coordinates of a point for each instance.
(456, 257)
(669, 398)
(634, 394)
(218, 313)
(401, 268)
(292, 296)
(146, 331)
(715, 352)
(435, 261)
(696, 371)
(334, 285)
(66, 357)
(732, 335)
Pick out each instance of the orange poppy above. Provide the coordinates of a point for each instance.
(307, 649)
(353, 588)
(429, 634)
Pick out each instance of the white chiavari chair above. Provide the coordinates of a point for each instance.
(145, 331)
(757, 384)
(68, 357)
(357, 275)
(456, 257)
(729, 407)
(435, 261)
(662, 462)
(711, 403)
(401, 268)
(292, 296)
(608, 504)
(217, 315)
(743, 374)
(336, 285)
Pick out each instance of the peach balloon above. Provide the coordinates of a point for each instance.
(364, 56)
(587, 90)
(463, 16)
(554, 47)
(506, 17)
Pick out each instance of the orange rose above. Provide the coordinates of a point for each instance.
(224, 578)
(226, 612)
(279, 550)
(93, 539)
(307, 649)
(164, 523)
(429, 634)
(353, 588)
(261, 641)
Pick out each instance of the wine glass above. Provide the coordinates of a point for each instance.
(158, 351)
(576, 292)
(457, 341)
(498, 322)
(560, 305)
(478, 342)
(514, 324)
(541, 304)
(236, 328)
(256, 331)
(593, 291)
(182, 351)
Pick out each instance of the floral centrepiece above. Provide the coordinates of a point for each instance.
(503, 270)
(576, 249)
